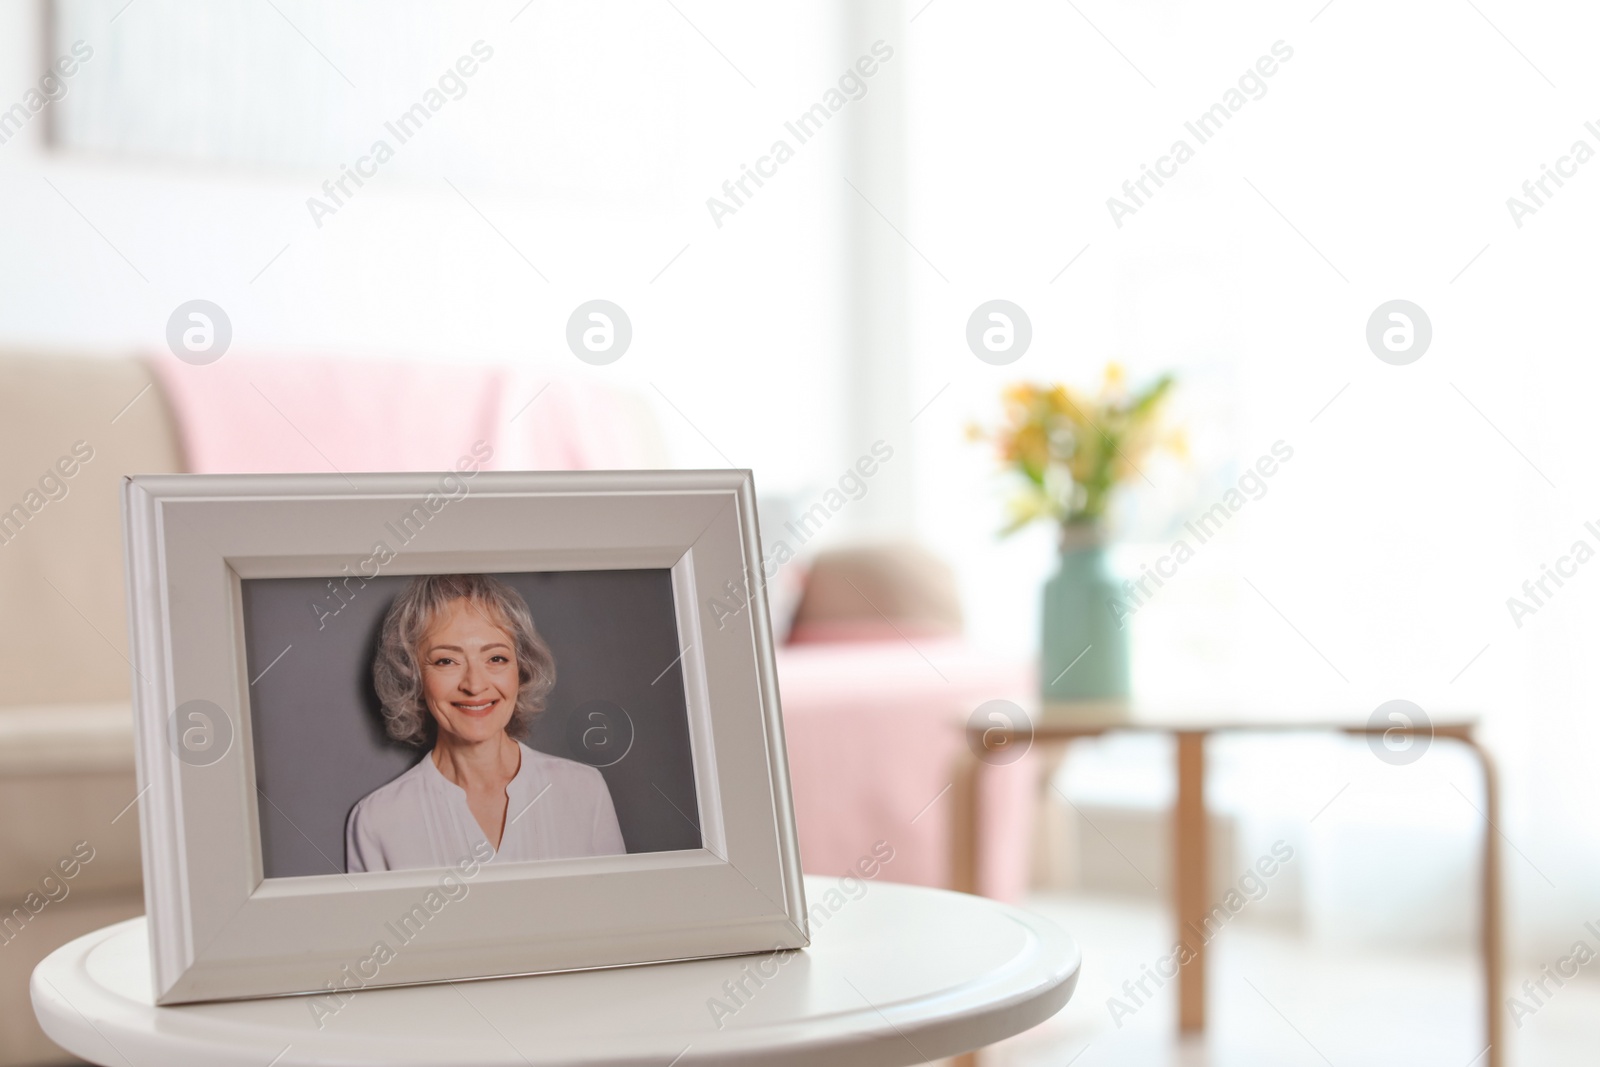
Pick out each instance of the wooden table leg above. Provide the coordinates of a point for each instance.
(1489, 921)
(966, 809)
(1190, 855)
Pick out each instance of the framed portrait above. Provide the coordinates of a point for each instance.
(402, 728)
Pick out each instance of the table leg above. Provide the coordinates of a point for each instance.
(1190, 854)
(1489, 923)
(965, 811)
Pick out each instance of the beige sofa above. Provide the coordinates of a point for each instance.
(67, 793)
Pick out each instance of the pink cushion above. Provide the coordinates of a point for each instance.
(874, 731)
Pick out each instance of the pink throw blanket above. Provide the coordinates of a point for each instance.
(247, 414)
(874, 733)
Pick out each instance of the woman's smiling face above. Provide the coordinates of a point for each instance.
(469, 673)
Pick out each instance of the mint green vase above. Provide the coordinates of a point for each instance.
(1083, 653)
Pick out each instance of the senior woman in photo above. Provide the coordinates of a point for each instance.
(461, 671)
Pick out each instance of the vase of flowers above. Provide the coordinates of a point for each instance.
(1069, 453)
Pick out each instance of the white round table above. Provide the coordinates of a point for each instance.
(898, 975)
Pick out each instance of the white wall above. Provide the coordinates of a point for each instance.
(630, 119)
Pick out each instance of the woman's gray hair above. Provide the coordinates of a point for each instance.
(397, 668)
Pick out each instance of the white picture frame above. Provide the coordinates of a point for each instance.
(220, 930)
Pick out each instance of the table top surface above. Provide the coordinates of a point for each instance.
(1067, 719)
(895, 975)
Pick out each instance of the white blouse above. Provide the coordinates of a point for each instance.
(558, 809)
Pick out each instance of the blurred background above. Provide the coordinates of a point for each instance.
(789, 324)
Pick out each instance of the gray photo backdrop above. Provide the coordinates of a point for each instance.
(319, 740)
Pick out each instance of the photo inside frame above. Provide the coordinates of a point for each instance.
(615, 724)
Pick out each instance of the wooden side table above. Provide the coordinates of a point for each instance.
(1057, 727)
(895, 975)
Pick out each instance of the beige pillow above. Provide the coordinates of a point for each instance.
(877, 592)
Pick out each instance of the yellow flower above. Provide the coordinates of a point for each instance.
(1072, 450)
